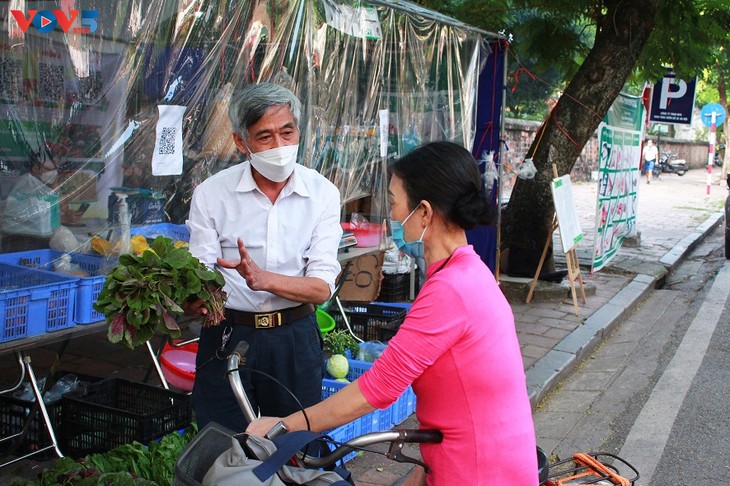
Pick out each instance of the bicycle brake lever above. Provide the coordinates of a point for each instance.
(395, 453)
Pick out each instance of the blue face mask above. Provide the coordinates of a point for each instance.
(413, 248)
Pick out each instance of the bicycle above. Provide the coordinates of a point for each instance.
(212, 441)
(200, 454)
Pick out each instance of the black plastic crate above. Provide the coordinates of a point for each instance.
(114, 412)
(396, 287)
(14, 412)
(367, 319)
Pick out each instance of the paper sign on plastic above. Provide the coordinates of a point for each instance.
(167, 159)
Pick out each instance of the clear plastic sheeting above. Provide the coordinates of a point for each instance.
(83, 85)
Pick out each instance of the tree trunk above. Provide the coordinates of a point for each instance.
(722, 91)
(620, 37)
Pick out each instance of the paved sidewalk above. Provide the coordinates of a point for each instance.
(674, 213)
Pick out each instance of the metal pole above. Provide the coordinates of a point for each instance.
(501, 162)
(711, 154)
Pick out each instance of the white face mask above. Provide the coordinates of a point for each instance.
(49, 176)
(276, 164)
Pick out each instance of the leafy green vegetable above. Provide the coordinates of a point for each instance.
(338, 341)
(142, 296)
(131, 464)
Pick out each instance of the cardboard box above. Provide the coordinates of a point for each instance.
(363, 277)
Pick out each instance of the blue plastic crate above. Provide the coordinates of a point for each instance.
(33, 302)
(172, 231)
(345, 433)
(401, 408)
(88, 288)
(411, 400)
(379, 419)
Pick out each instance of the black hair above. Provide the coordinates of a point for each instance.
(447, 176)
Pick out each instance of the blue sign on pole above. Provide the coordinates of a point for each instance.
(672, 101)
(708, 110)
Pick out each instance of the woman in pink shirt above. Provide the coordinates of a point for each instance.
(457, 346)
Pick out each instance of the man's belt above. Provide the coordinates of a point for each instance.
(267, 320)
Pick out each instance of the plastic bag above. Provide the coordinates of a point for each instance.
(371, 350)
(357, 220)
(395, 261)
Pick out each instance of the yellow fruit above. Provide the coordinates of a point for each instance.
(100, 245)
(139, 244)
(181, 244)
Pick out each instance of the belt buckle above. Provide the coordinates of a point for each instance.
(267, 321)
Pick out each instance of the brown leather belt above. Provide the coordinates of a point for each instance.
(268, 320)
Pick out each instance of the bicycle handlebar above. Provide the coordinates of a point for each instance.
(234, 378)
(396, 437)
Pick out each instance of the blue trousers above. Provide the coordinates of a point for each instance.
(291, 353)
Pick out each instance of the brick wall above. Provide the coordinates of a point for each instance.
(519, 135)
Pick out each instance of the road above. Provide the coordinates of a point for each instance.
(657, 391)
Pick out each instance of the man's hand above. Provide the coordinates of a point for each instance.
(247, 268)
(194, 307)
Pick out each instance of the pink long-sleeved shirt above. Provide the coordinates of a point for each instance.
(459, 349)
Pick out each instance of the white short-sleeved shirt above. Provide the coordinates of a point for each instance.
(650, 152)
(297, 236)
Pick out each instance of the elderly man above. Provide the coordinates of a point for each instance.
(272, 227)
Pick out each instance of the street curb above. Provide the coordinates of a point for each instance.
(680, 250)
(547, 372)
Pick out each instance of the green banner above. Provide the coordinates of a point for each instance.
(618, 178)
(626, 112)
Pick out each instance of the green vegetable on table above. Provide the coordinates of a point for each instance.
(339, 341)
(142, 296)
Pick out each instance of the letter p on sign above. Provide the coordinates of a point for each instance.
(667, 93)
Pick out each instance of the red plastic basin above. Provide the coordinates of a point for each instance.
(178, 365)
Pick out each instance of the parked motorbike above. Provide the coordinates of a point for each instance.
(668, 162)
(718, 160)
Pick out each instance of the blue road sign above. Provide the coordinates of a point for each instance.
(708, 110)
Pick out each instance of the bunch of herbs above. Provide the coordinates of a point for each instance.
(339, 341)
(144, 294)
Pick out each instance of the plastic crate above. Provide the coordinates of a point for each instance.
(88, 288)
(172, 231)
(379, 419)
(367, 319)
(345, 433)
(33, 302)
(396, 287)
(14, 412)
(115, 412)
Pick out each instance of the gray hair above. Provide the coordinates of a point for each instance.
(249, 104)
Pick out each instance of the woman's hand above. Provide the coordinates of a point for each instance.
(262, 425)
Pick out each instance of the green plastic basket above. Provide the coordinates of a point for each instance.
(326, 322)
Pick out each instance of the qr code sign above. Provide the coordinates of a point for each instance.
(50, 82)
(11, 79)
(90, 88)
(167, 141)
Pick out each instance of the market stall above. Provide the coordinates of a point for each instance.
(118, 107)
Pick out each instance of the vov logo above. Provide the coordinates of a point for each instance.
(46, 21)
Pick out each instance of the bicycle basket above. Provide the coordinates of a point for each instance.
(212, 441)
(215, 456)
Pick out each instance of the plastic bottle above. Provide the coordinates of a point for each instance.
(123, 243)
